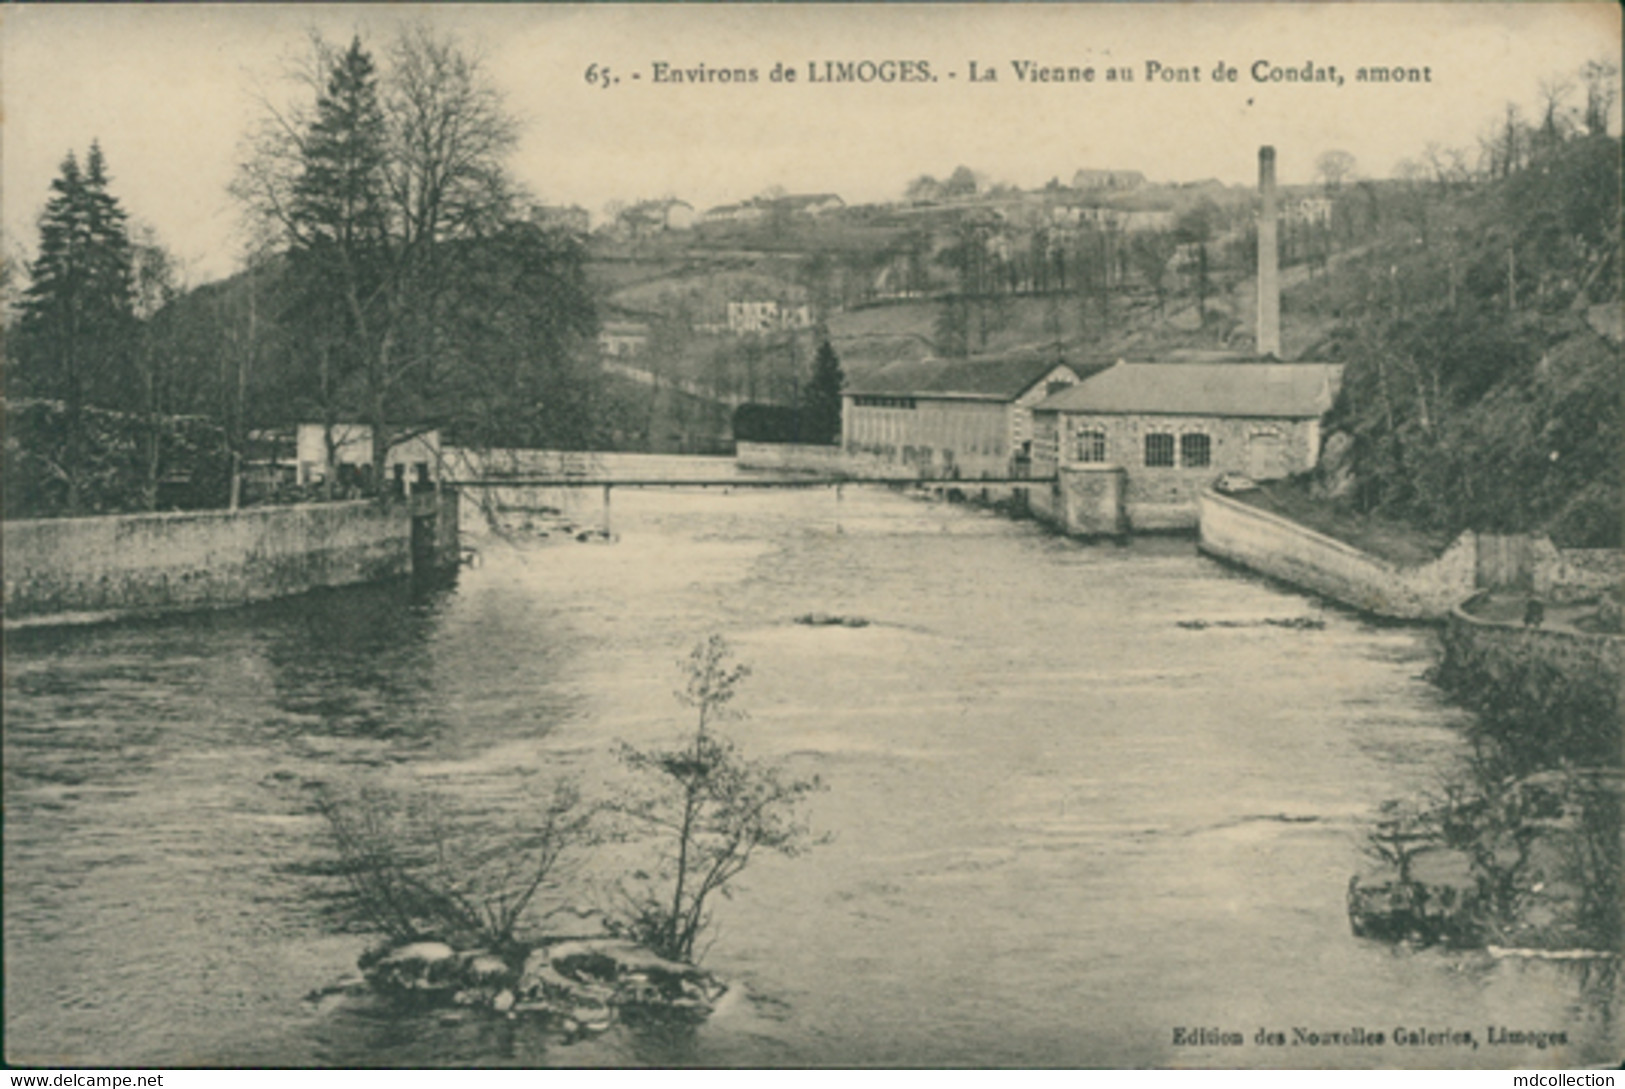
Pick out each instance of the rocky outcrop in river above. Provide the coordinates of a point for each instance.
(580, 985)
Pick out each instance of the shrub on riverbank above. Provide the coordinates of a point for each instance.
(1525, 847)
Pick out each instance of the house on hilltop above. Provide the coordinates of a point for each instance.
(963, 418)
(746, 212)
(1174, 428)
(652, 217)
(623, 338)
(767, 316)
(1108, 179)
(811, 204)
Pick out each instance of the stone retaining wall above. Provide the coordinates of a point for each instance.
(1583, 659)
(1294, 553)
(1084, 501)
(67, 570)
(1545, 694)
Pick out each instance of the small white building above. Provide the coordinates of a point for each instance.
(412, 462)
(767, 316)
(623, 338)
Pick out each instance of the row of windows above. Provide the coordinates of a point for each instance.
(870, 401)
(1195, 449)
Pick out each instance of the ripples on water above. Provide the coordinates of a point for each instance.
(1063, 824)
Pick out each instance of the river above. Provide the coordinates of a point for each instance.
(1062, 824)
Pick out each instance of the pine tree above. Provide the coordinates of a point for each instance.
(380, 196)
(336, 224)
(824, 396)
(77, 315)
(338, 201)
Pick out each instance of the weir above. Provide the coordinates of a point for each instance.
(745, 482)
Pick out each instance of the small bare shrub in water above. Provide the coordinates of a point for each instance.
(416, 866)
(710, 811)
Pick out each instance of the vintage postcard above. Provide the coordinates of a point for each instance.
(813, 535)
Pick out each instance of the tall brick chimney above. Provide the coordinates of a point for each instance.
(1269, 279)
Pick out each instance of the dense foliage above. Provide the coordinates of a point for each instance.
(77, 322)
(1477, 392)
(100, 416)
(112, 457)
(754, 422)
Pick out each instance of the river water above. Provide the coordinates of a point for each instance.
(1061, 824)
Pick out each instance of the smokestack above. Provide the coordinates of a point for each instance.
(1269, 281)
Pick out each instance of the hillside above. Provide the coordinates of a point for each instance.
(1483, 380)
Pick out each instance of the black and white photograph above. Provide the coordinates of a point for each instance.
(947, 536)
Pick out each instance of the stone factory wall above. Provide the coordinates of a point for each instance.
(1164, 497)
(1293, 553)
(65, 570)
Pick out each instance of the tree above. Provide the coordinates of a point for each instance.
(1556, 122)
(1601, 83)
(515, 332)
(418, 866)
(923, 190)
(712, 809)
(961, 183)
(155, 287)
(1196, 227)
(823, 416)
(77, 313)
(1150, 252)
(383, 194)
(1333, 168)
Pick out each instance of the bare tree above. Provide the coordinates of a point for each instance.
(1601, 79)
(376, 188)
(1556, 116)
(1335, 167)
(710, 810)
(157, 281)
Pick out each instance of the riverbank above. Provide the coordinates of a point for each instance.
(1521, 850)
(88, 570)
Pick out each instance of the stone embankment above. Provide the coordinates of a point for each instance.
(78, 570)
(1285, 550)
(1524, 854)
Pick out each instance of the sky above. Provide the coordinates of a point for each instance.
(171, 90)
